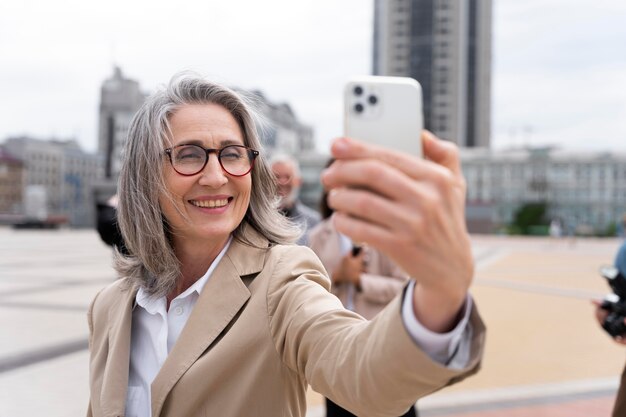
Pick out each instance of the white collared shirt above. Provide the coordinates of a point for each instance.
(155, 331)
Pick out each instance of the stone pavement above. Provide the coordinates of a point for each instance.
(545, 355)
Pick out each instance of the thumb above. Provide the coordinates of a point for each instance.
(441, 152)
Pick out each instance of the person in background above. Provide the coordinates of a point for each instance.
(556, 228)
(218, 313)
(107, 225)
(364, 279)
(619, 409)
(286, 170)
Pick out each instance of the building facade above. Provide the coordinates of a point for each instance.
(280, 129)
(120, 98)
(283, 132)
(11, 185)
(446, 46)
(586, 192)
(64, 170)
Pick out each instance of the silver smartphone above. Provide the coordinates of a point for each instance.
(386, 111)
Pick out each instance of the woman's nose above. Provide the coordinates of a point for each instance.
(213, 175)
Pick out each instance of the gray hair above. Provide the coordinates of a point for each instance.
(151, 262)
(285, 158)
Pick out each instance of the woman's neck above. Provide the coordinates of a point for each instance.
(195, 259)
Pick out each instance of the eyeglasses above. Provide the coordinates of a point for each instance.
(236, 160)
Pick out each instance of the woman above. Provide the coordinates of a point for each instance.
(364, 279)
(216, 314)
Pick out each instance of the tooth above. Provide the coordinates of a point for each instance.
(210, 203)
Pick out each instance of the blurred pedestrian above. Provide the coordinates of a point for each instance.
(107, 225)
(619, 409)
(555, 229)
(286, 170)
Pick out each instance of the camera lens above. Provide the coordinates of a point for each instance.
(358, 90)
(372, 99)
(358, 107)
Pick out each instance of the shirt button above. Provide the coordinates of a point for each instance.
(179, 311)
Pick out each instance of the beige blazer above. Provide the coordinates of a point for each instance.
(263, 327)
(380, 283)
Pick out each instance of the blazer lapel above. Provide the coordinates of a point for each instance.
(220, 300)
(115, 379)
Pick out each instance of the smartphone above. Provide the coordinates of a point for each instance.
(386, 111)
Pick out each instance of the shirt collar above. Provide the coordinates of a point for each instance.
(152, 304)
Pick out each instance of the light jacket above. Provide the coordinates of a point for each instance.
(263, 327)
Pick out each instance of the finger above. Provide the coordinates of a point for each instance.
(369, 173)
(370, 207)
(388, 181)
(397, 248)
(600, 313)
(442, 152)
(365, 232)
(350, 149)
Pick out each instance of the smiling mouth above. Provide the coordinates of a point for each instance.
(210, 203)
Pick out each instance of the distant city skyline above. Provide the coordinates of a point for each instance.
(559, 77)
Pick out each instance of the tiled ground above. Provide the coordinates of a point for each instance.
(545, 355)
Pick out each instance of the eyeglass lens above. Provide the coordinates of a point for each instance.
(191, 159)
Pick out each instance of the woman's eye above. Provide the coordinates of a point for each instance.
(231, 154)
(185, 155)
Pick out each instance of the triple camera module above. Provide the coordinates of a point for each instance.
(363, 99)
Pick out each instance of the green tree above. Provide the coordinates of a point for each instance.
(530, 218)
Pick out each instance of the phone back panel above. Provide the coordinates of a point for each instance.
(386, 111)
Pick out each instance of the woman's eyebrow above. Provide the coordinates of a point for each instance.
(200, 143)
(227, 142)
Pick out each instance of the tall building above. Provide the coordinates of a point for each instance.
(120, 98)
(64, 171)
(446, 46)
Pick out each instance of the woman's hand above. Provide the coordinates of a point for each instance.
(601, 315)
(413, 210)
(349, 269)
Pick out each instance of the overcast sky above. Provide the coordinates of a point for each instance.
(559, 66)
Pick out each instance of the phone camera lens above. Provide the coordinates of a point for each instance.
(358, 107)
(358, 90)
(372, 99)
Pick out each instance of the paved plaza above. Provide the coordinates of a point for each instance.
(545, 354)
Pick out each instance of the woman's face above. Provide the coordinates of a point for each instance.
(209, 205)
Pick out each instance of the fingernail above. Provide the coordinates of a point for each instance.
(340, 146)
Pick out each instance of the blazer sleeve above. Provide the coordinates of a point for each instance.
(90, 314)
(368, 367)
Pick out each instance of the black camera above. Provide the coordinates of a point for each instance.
(614, 304)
